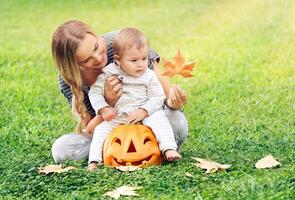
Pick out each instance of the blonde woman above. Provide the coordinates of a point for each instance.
(79, 55)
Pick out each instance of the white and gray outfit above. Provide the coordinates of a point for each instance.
(144, 92)
(74, 146)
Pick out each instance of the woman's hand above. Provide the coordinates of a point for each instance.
(112, 90)
(176, 98)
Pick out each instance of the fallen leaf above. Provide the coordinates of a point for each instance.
(54, 168)
(267, 162)
(124, 191)
(210, 166)
(128, 168)
(177, 66)
(188, 174)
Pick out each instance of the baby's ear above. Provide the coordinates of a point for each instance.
(117, 59)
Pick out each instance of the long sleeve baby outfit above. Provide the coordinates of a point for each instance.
(138, 92)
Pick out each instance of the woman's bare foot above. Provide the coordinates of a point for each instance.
(172, 155)
(92, 166)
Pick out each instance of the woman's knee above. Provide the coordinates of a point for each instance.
(179, 125)
(71, 147)
(58, 150)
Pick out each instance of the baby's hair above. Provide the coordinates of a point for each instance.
(127, 38)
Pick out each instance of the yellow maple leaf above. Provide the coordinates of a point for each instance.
(124, 191)
(267, 162)
(177, 66)
(54, 168)
(210, 166)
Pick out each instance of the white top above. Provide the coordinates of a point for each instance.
(144, 91)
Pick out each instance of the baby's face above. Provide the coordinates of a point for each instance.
(134, 61)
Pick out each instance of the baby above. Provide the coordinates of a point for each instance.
(141, 101)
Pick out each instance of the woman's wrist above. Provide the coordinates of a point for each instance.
(111, 101)
(168, 106)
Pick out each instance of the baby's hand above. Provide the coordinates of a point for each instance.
(92, 166)
(137, 116)
(107, 113)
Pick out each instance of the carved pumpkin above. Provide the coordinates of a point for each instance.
(131, 145)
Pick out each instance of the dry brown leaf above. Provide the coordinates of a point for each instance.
(188, 174)
(267, 162)
(54, 168)
(128, 168)
(177, 66)
(210, 166)
(124, 191)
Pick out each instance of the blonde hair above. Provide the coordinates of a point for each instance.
(65, 41)
(127, 38)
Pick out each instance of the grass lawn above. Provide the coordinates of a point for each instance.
(241, 100)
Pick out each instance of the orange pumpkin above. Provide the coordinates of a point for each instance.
(131, 145)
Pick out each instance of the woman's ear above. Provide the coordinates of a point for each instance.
(117, 59)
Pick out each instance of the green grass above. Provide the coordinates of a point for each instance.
(241, 100)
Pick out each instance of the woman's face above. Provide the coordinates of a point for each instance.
(91, 53)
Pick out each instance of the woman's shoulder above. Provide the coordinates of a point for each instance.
(109, 36)
(62, 84)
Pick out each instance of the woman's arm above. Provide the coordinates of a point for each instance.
(92, 123)
(175, 96)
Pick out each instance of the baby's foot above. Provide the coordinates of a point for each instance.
(92, 166)
(172, 155)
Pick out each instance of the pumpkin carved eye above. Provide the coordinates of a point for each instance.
(117, 140)
(146, 140)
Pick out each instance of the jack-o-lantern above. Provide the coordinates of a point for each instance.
(131, 145)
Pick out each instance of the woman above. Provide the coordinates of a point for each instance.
(79, 56)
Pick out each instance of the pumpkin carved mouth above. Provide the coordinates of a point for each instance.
(134, 163)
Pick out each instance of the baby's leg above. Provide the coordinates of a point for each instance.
(179, 125)
(161, 127)
(99, 135)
